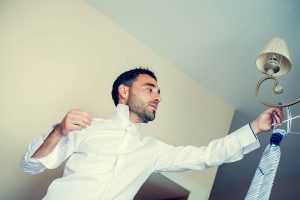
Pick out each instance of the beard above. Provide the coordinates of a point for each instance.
(140, 108)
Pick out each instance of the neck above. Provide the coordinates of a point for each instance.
(134, 118)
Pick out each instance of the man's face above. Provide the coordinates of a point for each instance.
(143, 99)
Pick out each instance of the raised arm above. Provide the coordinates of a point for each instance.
(230, 148)
(48, 151)
(74, 120)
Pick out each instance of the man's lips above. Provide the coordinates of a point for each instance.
(154, 105)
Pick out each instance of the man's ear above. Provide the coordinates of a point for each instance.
(123, 91)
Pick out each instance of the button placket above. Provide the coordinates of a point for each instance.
(116, 162)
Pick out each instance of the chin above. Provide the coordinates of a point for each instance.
(149, 119)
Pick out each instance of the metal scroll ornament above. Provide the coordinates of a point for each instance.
(274, 61)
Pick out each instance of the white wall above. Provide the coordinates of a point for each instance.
(61, 54)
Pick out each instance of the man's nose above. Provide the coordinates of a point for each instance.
(157, 98)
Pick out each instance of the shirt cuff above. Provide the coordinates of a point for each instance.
(247, 138)
(252, 131)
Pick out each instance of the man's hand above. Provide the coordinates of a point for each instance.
(265, 120)
(74, 120)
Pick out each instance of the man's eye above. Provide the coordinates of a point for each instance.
(150, 89)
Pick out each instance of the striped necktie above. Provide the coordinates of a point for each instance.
(261, 185)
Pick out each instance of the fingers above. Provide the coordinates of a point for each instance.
(82, 122)
(81, 115)
(75, 120)
(278, 114)
(73, 127)
(277, 118)
(264, 122)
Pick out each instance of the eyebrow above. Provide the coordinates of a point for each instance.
(152, 85)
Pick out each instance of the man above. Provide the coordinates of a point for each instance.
(109, 159)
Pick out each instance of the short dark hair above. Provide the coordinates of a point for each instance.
(127, 78)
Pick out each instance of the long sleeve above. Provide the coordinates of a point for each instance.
(227, 149)
(61, 152)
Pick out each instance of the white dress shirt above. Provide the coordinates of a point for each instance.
(110, 160)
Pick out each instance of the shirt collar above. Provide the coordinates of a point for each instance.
(121, 116)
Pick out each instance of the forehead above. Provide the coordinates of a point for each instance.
(143, 79)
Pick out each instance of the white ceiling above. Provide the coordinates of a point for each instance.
(216, 43)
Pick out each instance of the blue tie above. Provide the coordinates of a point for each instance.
(262, 182)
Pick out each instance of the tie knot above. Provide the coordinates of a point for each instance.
(276, 138)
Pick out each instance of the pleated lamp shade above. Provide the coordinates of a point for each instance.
(275, 58)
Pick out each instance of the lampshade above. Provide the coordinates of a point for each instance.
(274, 59)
